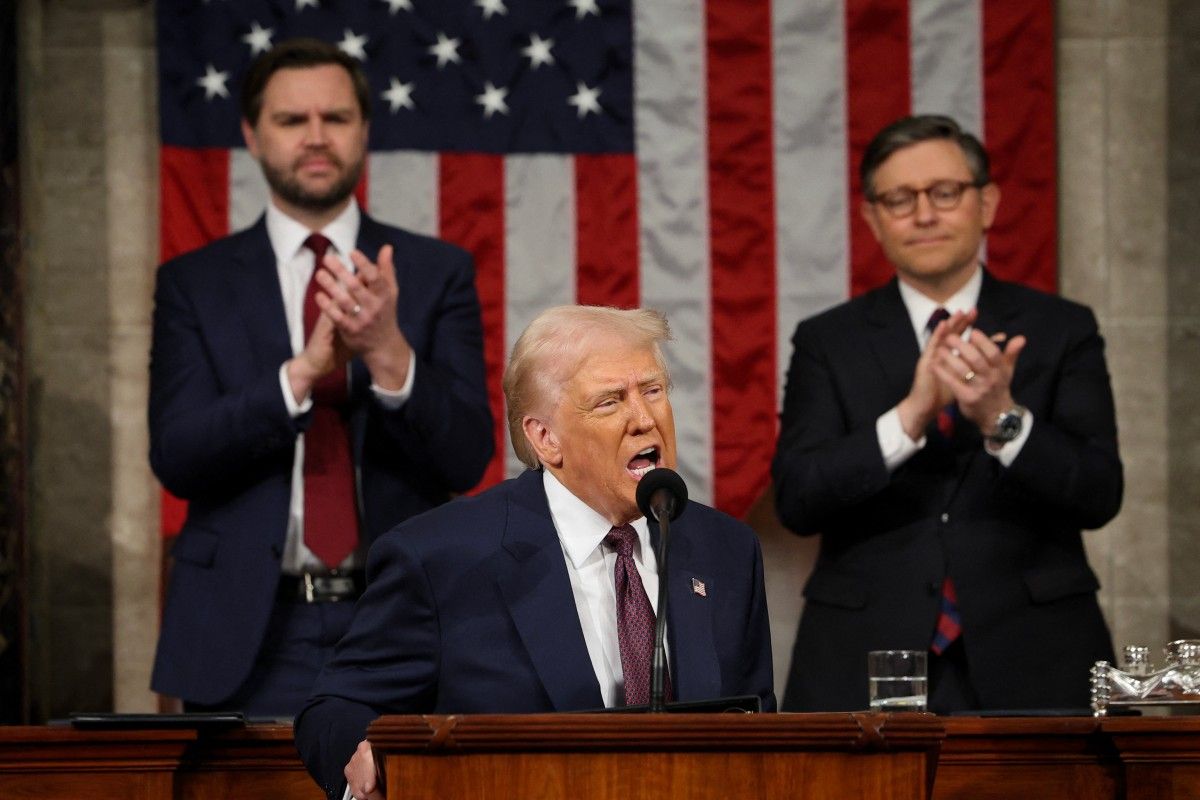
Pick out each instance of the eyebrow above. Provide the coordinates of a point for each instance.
(614, 390)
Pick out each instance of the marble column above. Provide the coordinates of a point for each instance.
(88, 175)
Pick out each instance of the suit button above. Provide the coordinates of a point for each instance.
(945, 518)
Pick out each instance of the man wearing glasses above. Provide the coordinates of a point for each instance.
(949, 435)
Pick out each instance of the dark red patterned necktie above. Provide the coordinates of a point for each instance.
(330, 517)
(635, 620)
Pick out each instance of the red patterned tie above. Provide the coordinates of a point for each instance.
(635, 620)
(949, 622)
(949, 412)
(330, 518)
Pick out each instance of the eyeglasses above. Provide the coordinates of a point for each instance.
(943, 195)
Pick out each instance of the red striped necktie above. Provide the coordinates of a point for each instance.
(330, 516)
(948, 413)
(949, 622)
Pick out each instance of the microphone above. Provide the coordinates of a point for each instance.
(661, 494)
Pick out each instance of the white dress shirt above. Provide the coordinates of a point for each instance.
(894, 443)
(590, 566)
(294, 264)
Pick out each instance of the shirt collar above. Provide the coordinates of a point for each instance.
(287, 235)
(580, 528)
(920, 306)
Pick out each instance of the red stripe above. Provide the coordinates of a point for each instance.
(878, 77)
(193, 211)
(193, 198)
(1018, 79)
(742, 227)
(471, 215)
(606, 230)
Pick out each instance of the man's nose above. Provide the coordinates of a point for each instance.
(314, 131)
(924, 213)
(640, 418)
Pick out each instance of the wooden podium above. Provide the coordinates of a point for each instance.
(643, 756)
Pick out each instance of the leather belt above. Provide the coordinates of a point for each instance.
(311, 587)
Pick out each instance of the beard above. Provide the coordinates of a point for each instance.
(283, 182)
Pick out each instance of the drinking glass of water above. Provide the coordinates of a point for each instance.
(897, 680)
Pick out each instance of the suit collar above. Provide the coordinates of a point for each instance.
(254, 291)
(534, 583)
(998, 305)
(691, 592)
(890, 337)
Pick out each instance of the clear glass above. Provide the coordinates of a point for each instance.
(897, 680)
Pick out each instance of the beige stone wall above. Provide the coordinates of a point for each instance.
(88, 175)
(1129, 195)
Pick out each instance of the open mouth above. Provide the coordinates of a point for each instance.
(643, 462)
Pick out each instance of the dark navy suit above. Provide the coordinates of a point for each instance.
(1008, 536)
(469, 609)
(221, 436)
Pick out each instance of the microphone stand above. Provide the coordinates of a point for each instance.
(658, 666)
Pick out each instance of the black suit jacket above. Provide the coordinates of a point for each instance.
(469, 609)
(1009, 537)
(221, 436)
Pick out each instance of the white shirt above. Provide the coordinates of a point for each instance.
(294, 264)
(894, 443)
(590, 566)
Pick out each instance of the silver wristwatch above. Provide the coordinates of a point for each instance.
(1008, 426)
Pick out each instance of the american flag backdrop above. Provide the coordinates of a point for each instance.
(697, 156)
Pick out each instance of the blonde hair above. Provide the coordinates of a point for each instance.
(551, 348)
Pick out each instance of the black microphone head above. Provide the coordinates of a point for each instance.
(666, 481)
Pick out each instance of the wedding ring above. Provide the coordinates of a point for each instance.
(354, 312)
(970, 376)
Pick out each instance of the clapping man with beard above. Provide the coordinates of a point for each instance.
(314, 380)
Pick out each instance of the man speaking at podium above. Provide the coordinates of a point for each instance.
(539, 594)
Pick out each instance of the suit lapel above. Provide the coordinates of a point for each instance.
(257, 297)
(891, 339)
(534, 583)
(689, 617)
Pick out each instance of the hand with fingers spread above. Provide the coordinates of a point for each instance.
(362, 306)
(929, 393)
(979, 374)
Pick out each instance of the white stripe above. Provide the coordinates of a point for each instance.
(539, 245)
(248, 190)
(669, 109)
(947, 60)
(811, 202)
(402, 189)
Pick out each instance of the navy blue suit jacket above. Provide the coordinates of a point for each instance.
(469, 610)
(1008, 536)
(221, 436)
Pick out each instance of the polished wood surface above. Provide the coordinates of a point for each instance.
(814, 756)
(53, 762)
(628, 756)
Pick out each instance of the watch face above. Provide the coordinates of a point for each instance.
(1008, 427)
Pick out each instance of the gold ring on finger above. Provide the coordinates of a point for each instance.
(354, 312)
(970, 376)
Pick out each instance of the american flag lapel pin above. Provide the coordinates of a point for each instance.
(699, 588)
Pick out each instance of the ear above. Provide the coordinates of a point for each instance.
(249, 136)
(989, 201)
(543, 441)
(868, 212)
